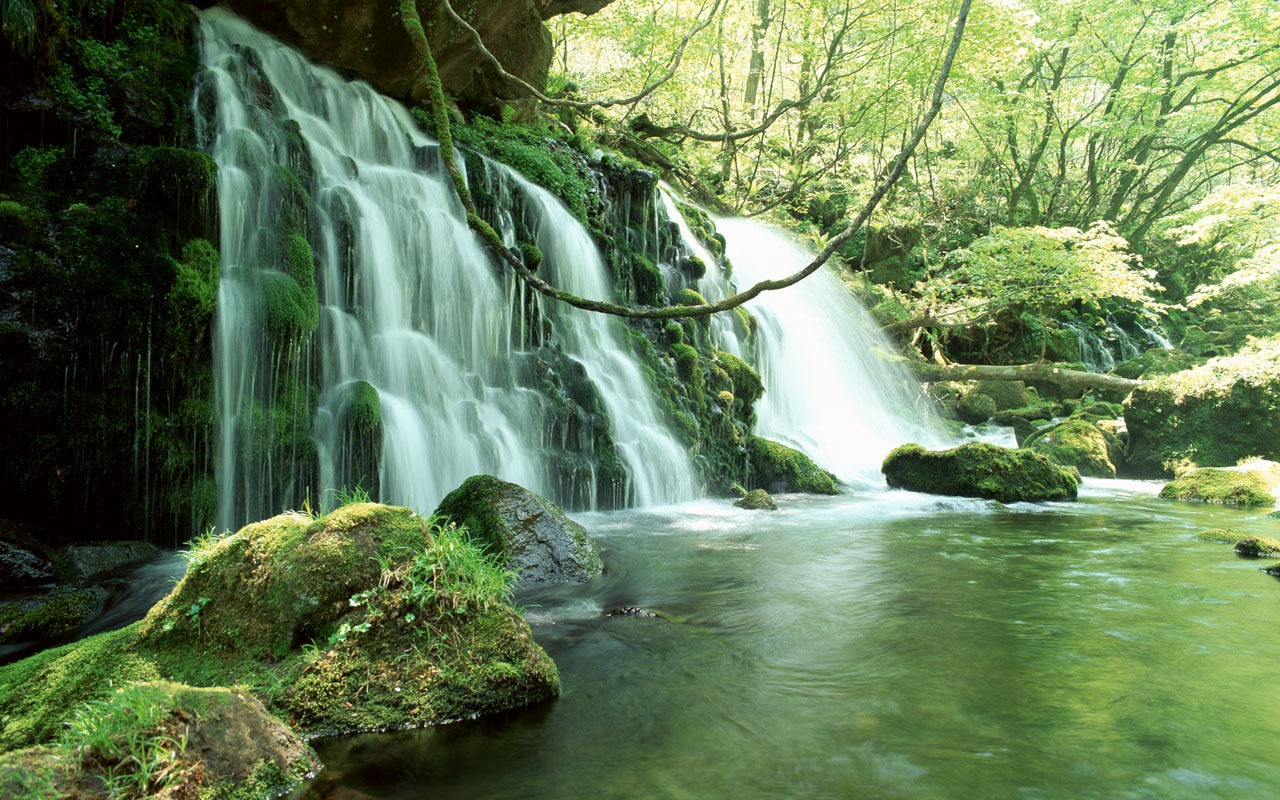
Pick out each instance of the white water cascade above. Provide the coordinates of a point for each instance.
(828, 389)
(419, 336)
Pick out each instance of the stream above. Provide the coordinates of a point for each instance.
(883, 645)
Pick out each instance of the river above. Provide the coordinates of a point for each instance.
(883, 645)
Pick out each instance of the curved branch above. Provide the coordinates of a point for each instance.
(413, 24)
(1047, 373)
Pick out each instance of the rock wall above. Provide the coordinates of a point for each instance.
(366, 38)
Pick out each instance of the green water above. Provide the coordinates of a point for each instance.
(884, 646)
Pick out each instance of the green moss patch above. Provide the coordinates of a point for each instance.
(48, 615)
(980, 470)
(777, 468)
(1258, 547)
(1219, 536)
(1228, 486)
(1077, 443)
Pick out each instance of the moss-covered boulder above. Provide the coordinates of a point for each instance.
(981, 470)
(368, 618)
(1157, 362)
(21, 568)
(776, 468)
(1078, 443)
(975, 407)
(1008, 394)
(44, 616)
(757, 500)
(1257, 547)
(1248, 485)
(1211, 416)
(1219, 536)
(164, 739)
(531, 535)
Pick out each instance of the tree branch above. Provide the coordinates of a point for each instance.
(413, 25)
(1046, 373)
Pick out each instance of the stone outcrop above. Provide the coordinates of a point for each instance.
(529, 533)
(980, 470)
(1211, 416)
(366, 38)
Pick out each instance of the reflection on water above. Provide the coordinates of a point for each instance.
(884, 646)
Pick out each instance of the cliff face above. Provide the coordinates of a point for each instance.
(366, 38)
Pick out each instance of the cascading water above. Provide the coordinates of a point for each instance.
(361, 327)
(828, 392)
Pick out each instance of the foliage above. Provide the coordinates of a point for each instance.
(1043, 269)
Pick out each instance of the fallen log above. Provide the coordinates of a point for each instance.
(1047, 373)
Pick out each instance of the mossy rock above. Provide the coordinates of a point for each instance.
(1075, 443)
(533, 536)
(975, 408)
(1235, 486)
(233, 748)
(747, 385)
(757, 500)
(1156, 362)
(1213, 415)
(302, 611)
(980, 470)
(1008, 394)
(47, 615)
(1041, 411)
(1257, 547)
(777, 468)
(1219, 536)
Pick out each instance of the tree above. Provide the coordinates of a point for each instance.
(413, 26)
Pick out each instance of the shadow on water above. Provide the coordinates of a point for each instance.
(888, 645)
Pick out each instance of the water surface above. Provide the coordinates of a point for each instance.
(884, 645)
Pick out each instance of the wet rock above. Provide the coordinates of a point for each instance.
(91, 560)
(777, 468)
(1078, 443)
(629, 611)
(530, 533)
(980, 470)
(44, 616)
(23, 569)
(1257, 547)
(757, 500)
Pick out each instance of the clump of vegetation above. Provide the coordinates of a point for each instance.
(1257, 547)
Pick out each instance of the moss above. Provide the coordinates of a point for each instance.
(975, 408)
(747, 386)
(1157, 362)
(650, 287)
(1228, 486)
(690, 297)
(1077, 443)
(37, 693)
(757, 500)
(156, 738)
(980, 470)
(1219, 536)
(1008, 394)
(687, 363)
(778, 468)
(1213, 415)
(62, 610)
(362, 408)
(1257, 547)
(289, 310)
(18, 224)
(674, 332)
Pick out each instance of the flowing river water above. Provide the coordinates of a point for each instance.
(883, 645)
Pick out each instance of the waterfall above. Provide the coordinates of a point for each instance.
(1114, 345)
(828, 389)
(363, 335)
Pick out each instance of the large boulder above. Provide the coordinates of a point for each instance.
(369, 618)
(1252, 484)
(981, 470)
(776, 468)
(530, 534)
(1213, 415)
(367, 38)
(21, 568)
(1078, 443)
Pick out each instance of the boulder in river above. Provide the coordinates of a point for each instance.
(1250, 484)
(1079, 443)
(978, 469)
(532, 535)
(777, 468)
(757, 500)
(368, 618)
